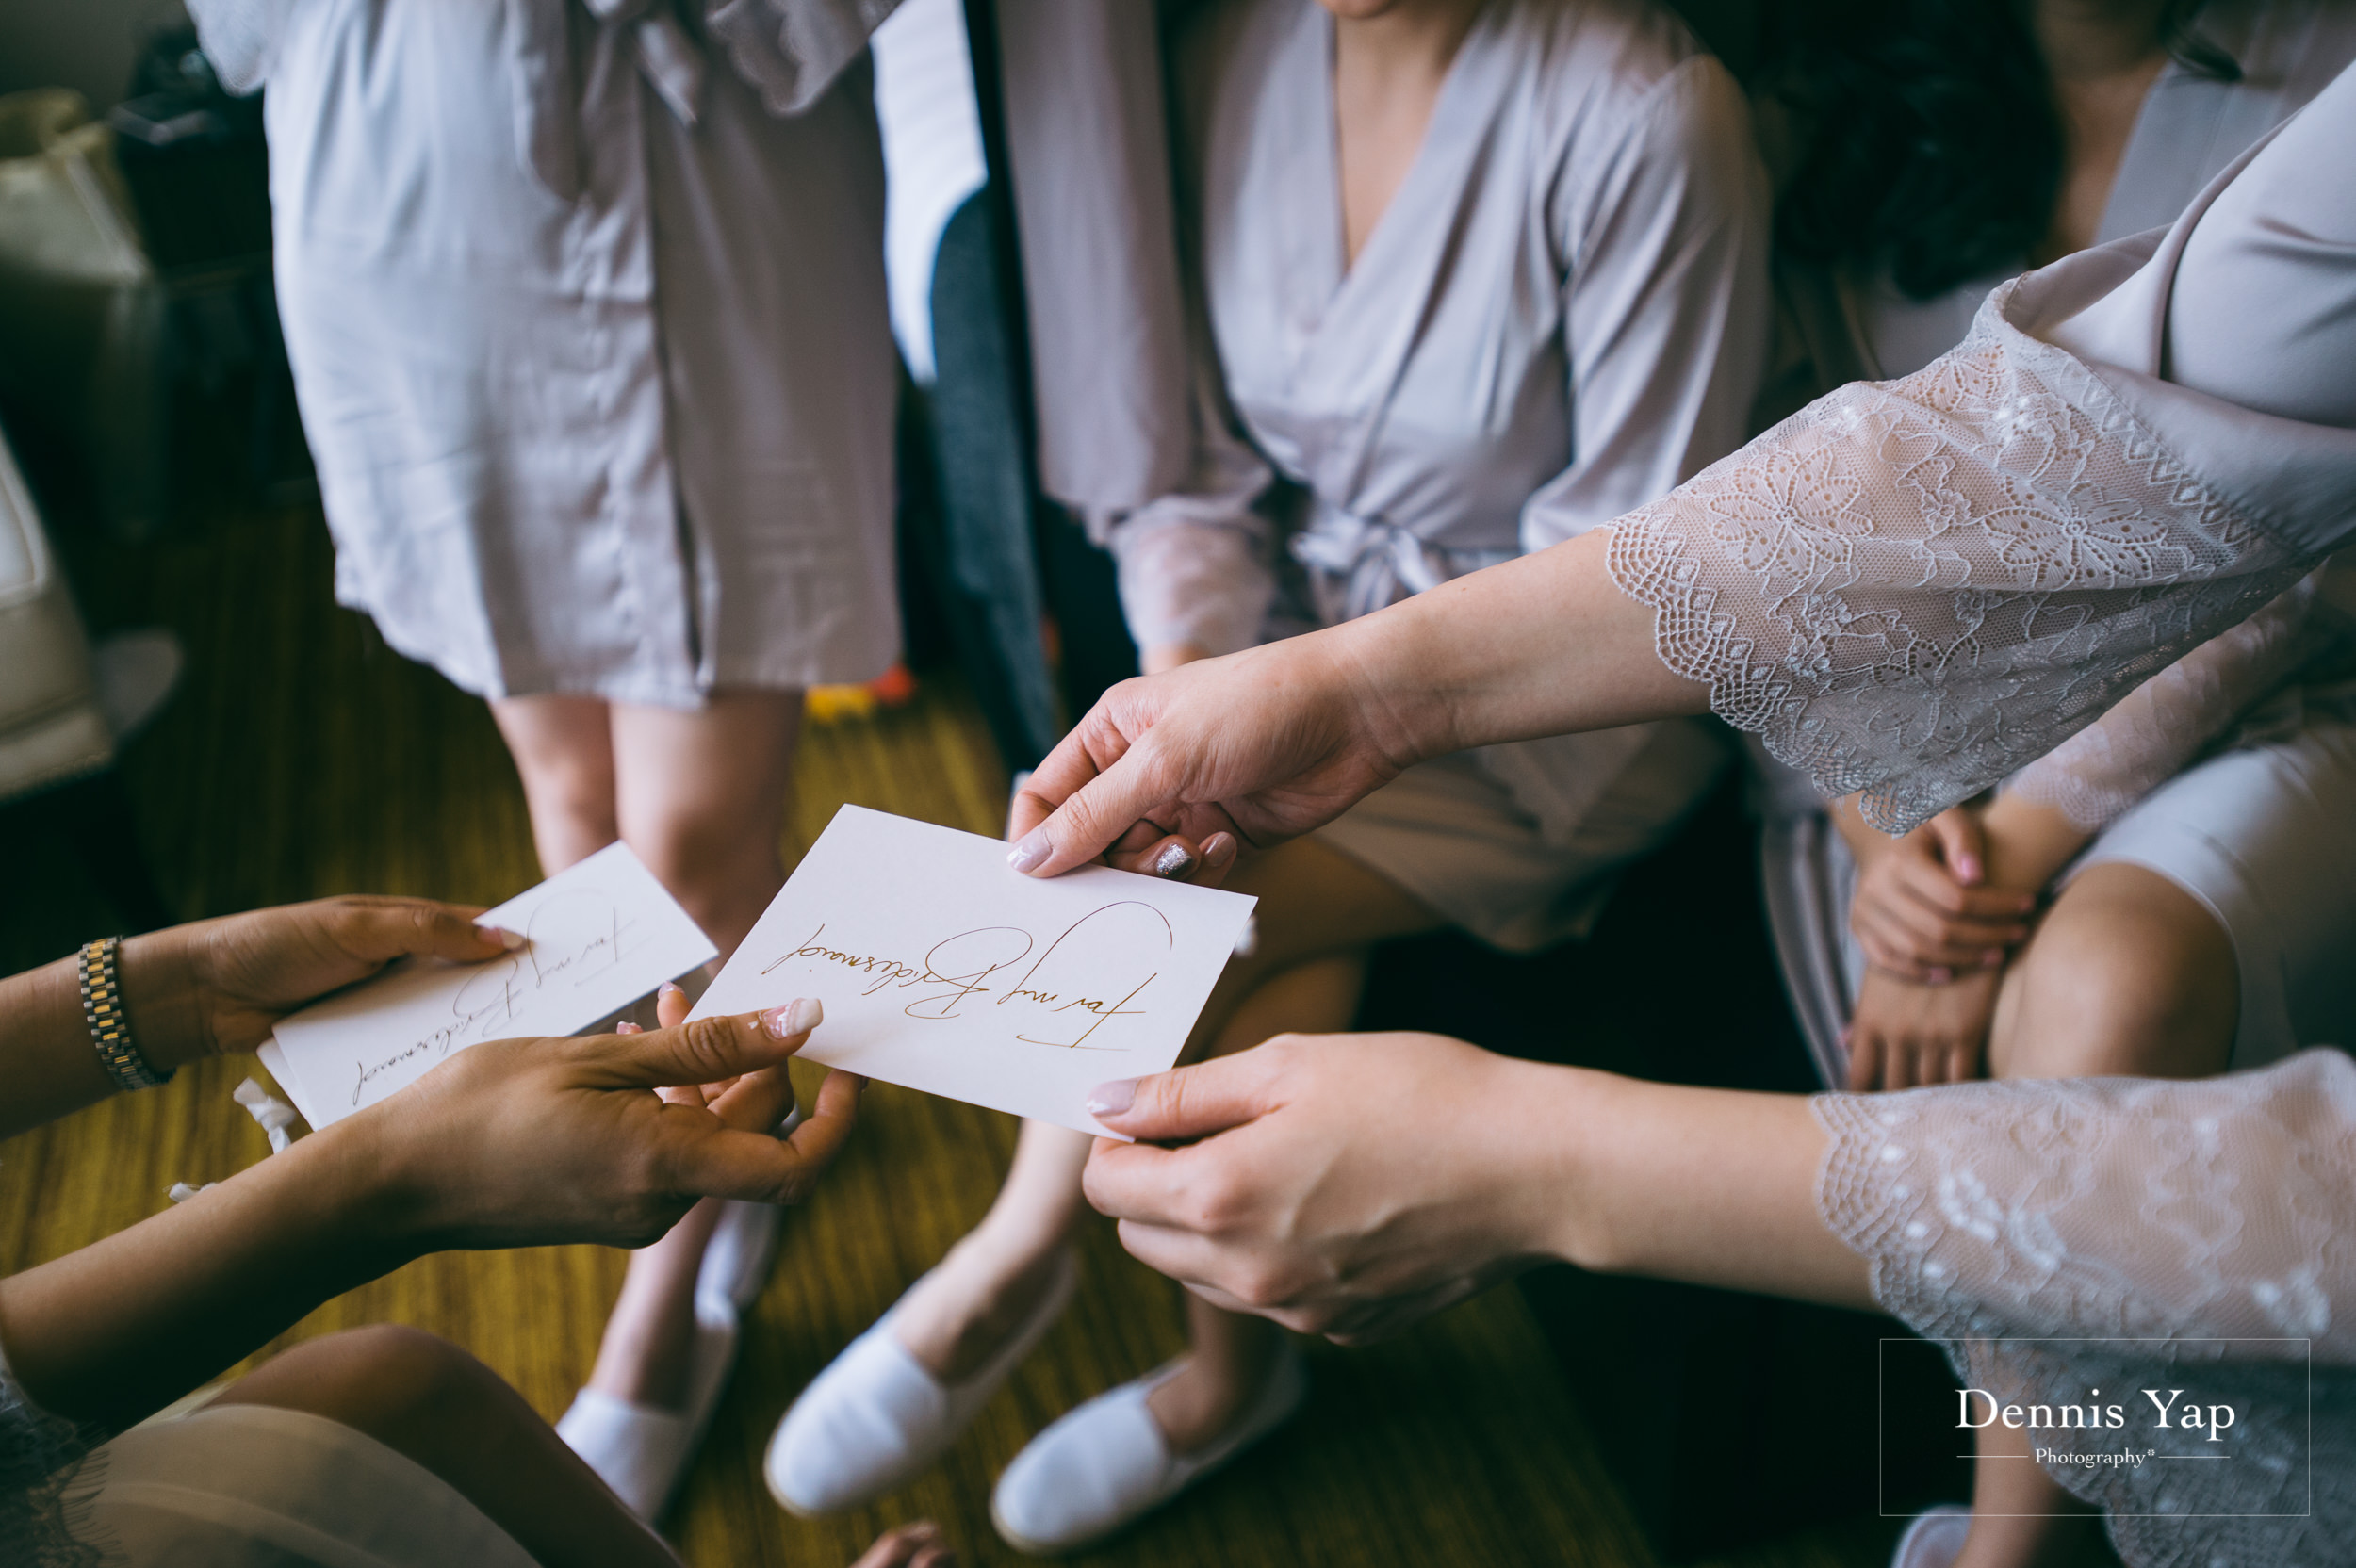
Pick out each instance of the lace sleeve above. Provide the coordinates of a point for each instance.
(2158, 728)
(1914, 588)
(2063, 1236)
(41, 1483)
(1195, 564)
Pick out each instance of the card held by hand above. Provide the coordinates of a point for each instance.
(942, 968)
(599, 936)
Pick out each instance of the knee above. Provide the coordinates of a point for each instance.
(379, 1379)
(2145, 989)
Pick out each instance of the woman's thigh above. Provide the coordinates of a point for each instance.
(1316, 904)
(725, 766)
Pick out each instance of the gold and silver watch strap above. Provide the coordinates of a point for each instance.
(109, 1026)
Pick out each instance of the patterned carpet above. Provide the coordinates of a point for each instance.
(302, 757)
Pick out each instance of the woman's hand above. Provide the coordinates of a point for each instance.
(219, 985)
(1275, 740)
(1349, 1184)
(601, 1137)
(1263, 745)
(1922, 911)
(1904, 1034)
(508, 1143)
(1353, 1185)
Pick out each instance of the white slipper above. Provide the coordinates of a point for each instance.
(1107, 1463)
(1934, 1538)
(736, 1260)
(876, 1418)
(641, 1452)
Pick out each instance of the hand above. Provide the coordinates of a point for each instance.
(527, 1142)
(1905, 1035)
(1263, 745)
(220, 986)
(1921, 912)
(1345, 1185)
(918, 1545)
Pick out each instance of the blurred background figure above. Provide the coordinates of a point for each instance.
(587, 323)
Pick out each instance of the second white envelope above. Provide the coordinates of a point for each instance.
(943, 969)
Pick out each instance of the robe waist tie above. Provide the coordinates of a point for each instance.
(1361, 564)
(547, 105)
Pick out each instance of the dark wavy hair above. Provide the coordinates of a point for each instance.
(1928, 140)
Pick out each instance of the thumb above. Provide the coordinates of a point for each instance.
(703, 1050)
(1192, 1102)
(1074, 806)
(1962, 844)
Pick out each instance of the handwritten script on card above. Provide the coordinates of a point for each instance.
(943, 969)
(598, 936)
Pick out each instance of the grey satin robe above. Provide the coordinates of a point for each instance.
(1562, 314)
(586, 313)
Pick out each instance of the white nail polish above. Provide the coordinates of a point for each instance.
(805, 1015)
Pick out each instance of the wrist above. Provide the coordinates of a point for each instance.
(1393, 684)
(163, 998)
(1539, 1164)
(382, 1197)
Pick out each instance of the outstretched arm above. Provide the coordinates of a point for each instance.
(1275, 740)
(1349, 1184)
(509, 1143)
(212, 988)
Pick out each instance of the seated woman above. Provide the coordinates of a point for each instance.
(2180, 404)
(382, 1445)
(1473, 278)
(2196, 850)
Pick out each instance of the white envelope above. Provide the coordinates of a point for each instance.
(599, 936)
(942, 968)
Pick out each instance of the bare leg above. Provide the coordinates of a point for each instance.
(429, 1401)
(564, 750)
(700, 798)
(699, 794)
(1315, 903)
(2020, 1518)
(2127, 974)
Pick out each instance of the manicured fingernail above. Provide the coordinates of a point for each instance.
(797, 1016)
(500, 934)
(1219, 849)
(1174, 861)
(1993, 956)
(668, 988)
(1032, 852)
(627, 1027)
(1967, 868)
(1113, 1097)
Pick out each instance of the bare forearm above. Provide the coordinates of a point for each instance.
(1708, 1187)
(53, 1066)
(2028, 844)
(1545, 645)
(122, 1327)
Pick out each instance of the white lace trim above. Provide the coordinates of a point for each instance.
(2124, 1207)
(2215, 695)
(1913, 588)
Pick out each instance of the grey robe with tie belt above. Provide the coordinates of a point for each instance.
(586, 312)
